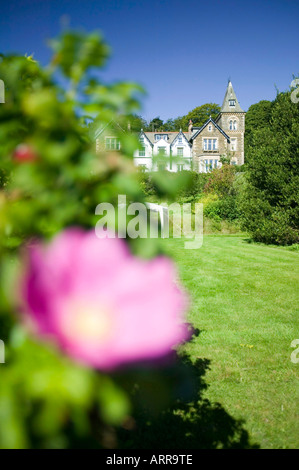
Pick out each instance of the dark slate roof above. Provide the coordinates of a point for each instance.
(210, 120)
(230, 95)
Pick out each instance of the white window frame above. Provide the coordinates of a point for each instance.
(214, 144)
(116, 143)
(162, 151)
(142, 152)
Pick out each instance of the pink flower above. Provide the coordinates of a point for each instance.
(100, 304)
(24, 153)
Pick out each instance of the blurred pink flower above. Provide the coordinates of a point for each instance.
(24, 153)
(100, 304)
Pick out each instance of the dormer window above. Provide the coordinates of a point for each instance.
(160, 136)
(232, 102)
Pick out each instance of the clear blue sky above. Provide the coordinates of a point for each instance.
(181, 52)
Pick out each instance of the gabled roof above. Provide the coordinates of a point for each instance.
(181, 133)
(142, 133)
(210, 120)
(99, 131)
(230, 95)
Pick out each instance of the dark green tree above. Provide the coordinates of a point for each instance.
(169, 125)
(257, 117)
(155, 124)
(270, 203)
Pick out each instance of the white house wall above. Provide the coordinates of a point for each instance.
(161, 144)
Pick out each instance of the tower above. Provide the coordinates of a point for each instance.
(232, 120)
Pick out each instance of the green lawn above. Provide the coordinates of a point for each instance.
(245, 304)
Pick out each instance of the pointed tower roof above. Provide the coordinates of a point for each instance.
(230, 102)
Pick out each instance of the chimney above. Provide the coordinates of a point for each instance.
(190, 127)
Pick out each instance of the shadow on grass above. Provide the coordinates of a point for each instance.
(186, 424)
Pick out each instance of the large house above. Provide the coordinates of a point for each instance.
(200, 148)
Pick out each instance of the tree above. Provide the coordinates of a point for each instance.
(179, 123)
(155, 124)
(134, 123)
(200, 114)
(169, 125)
(257, 117)
(270, 204)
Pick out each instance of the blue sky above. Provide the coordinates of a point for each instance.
(182, 52)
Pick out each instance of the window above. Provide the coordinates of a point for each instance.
(210, 144)
(215, 163)
(112, 143)
(233, 145)
(210, 128)
(180, 140)
(232, 125)
(180, 151)
(162, 150)
(211, 165)
(232, 102)
(160, 136)
(207, 165)
(180, 167)
(142, 152)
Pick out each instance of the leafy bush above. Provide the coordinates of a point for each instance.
(52, 179)
(221, 181)
(184, 186)
(220, 194)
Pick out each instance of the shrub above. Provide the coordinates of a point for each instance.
(220, 181)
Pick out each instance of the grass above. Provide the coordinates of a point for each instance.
(244, 302)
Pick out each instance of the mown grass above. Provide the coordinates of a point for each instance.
(244, 301)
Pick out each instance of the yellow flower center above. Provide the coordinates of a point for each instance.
(87, 322)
